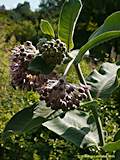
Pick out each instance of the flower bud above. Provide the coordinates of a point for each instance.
(52, 51)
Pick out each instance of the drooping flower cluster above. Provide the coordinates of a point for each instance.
(21, 77)
(60, 95)
(53, 52)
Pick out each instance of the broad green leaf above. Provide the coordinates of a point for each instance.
(68, 18)
(94, 42)
(109, 30)
(29, 119)
(23, 121)
(38, 65)
(46, 28)
(112, 23)
(104, 81)
(77, 127)
(113, 146)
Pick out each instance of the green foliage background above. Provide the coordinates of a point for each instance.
(18, 26)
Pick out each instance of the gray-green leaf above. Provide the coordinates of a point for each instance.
(68, 18)
(104, 81)
(77, 127)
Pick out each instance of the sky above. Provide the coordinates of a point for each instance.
(9, 4)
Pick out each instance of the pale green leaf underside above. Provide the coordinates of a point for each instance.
(104, 81)
(77, 127)
(46, 28)
(68, 18)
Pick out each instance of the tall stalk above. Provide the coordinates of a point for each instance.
(93, 108)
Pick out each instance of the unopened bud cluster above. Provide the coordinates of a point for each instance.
(61, 95)
(53, 52)
(21, 77)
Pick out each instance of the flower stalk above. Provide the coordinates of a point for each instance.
(67, 68)
(93, 108)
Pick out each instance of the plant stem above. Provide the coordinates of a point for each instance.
(93, 108)
(67, 68)
(82, 79)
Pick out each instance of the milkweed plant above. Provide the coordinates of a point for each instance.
(59, 109)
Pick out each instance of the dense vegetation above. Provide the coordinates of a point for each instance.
(44, 144)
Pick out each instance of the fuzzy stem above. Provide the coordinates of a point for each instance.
(93, 108)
